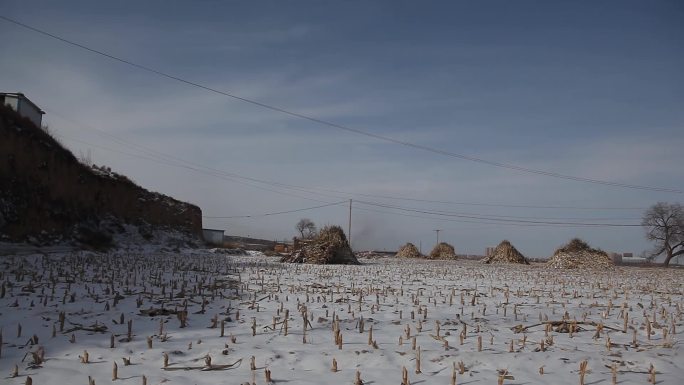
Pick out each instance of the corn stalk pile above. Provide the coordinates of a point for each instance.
(505, 252)
(577, 254)
(409, 250)
(330, 246)
(443, 251)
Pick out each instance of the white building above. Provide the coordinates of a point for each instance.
(634, 261)
(20, 103)
(213, 237)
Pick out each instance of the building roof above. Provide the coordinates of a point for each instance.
(214, 230)
(634, 259)
(22, 96)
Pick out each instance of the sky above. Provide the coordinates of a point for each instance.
(586, 89)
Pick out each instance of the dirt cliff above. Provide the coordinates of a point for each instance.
(47, 195)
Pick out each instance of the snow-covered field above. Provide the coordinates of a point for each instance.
(461, 316)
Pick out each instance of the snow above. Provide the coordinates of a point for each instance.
(491, 298)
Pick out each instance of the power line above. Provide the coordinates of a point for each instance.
(224, 177)
(495, 219)
(346, 128)
(444, 212)
(274, 213)
(457, 203)
(511, 219)
(488, 220)
(165, 158)
(172, 160)
(466, 221)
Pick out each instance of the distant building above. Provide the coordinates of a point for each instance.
(26, 108)
(627, 259)
(213, 237)
(298, 243)
(616, 257)
(489, 251)
(633, 260)
(282, 248)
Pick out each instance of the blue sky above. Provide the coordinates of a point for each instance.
(590, 89)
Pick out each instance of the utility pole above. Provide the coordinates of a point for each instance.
(437, 231)
(349, 228)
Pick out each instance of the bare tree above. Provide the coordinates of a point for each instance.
(306, 228)
(664, 223)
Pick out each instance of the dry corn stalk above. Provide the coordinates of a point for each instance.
(461, 367)
(418, 361)
(404, 376)
(501, 377)
(357, 380)
(583, 371)
(651, 374)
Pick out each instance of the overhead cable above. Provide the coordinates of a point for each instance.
(165, 158)
(347, 128)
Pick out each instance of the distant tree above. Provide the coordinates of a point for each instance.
(306, 228)
(648, 256)
(664, 223)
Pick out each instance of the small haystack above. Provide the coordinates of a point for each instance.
(443, 251)
(577, 254)
(506, 253)
(330, 246)
(409, 250)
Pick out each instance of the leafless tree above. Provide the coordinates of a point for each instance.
(664, 223)
(306, 228)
